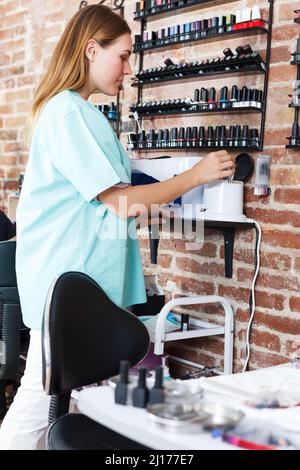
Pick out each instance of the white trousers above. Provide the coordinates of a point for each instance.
(25, 424)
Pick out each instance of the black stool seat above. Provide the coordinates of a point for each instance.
(76, 431)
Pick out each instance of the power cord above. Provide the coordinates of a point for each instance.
(252, 297)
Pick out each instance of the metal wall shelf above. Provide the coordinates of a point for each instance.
(292, 105)
(250, 67)
(248, 148)
(191, 37)
(146, 113)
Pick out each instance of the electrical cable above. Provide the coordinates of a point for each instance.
(252, 297)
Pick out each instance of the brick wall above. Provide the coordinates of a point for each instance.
(29, 30)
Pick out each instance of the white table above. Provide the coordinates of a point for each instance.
(98, 404)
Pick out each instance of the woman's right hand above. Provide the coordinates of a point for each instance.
(215, 166)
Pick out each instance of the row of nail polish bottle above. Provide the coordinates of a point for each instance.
(220, 136)
(204, 100)
(243, 19)
(228, 62)
(109, 111)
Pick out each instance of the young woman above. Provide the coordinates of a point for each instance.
(76, 175)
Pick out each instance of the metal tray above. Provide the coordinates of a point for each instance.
(208, 415)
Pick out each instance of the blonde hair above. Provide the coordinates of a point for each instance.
(68, 66)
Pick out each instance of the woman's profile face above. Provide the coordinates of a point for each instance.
(109, 65)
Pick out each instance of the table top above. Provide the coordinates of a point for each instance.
(98, 404)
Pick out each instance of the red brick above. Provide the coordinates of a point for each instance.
(262, 359)
(242, 315)
(207, 269)
(267, 260)
(281, 238)
(295, 304)
(266, 340)
(164, 260)
(236, 293)
(280, 33)
(12, 147)
(278, 217)
(287, 195)
(291, 283)
(8, 135)
(278, 323)
(285, 176)
(297, 264)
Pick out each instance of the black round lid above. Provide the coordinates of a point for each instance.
(244, 167)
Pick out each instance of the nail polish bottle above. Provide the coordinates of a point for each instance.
(187, 29)
(168, 62)
(181, 31)
(174, 137)
(210, 136)
(140, 393)
(122, 385)
(204, 31)
(254, 138)
(196, 95)
(202, 141)
(238, 22)
(142, 140)
(137, 9)
(254, 98)
(212, 98)
(256, 17)
(156, 394)
(152, 139)
(184, 322)
(222, 24)
(214, 25)
(247, 49)
(166, 138)
(243, 94)
(228, 53)
(260, 98)
(222, 140)
(131, 141)
(246, 17)
(181, 139)
(188, 136)
(112, 112)
(203, 99)
(160, 135)
(231, 137)
(194, 136)
(217, 136)
(234, 96)
(294, 140)
(245, 136)
(237, 141)
(224, 102)
(197, 30)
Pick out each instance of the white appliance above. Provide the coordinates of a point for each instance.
(221, 200)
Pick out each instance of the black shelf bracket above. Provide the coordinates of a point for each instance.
(227, 229)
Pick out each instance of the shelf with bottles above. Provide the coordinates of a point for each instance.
(149, 8)
(294, 138)
(243, 22)
(194, 138)
(204, 102)
(111, 113)
(244, 61)
(189, 36)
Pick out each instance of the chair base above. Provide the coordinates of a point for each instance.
(76, 431)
